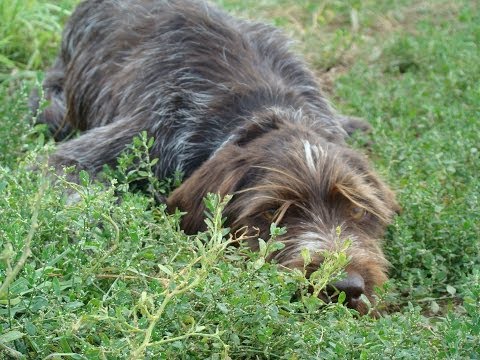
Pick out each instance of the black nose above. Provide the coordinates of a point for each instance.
(353, 286)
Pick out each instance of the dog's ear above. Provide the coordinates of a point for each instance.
(261, 124)
(220, 175)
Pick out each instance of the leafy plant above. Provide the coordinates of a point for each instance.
(112, 276)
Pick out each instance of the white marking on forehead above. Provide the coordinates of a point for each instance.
(311, 241)
(308, 155)
(314, 247)
(324, 240)
(312, 154)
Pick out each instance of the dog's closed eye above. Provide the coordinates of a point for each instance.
(275, 214)
(358, 213)
(270, 214)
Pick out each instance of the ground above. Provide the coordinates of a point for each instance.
(111, 280)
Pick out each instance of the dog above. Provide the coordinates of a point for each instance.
(231, 107)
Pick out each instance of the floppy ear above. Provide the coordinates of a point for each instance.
(262, 124)
(220, 175)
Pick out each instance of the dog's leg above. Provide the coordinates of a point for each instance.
(54, 114)
(96, 147)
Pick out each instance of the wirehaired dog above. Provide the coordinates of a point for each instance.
(232, 108)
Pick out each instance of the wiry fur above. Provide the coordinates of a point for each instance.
(229, 106)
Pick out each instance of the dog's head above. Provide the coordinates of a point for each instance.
(282, 169)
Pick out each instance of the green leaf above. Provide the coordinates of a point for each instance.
(274, 246)
(262, 247)
(38, 303)
(165, 269)
(150, 142)
(56, 286)
(74, 305)
(30, 328)
(83, 177)
(65, 345)
(451, 290)
(11, 336)
(259, 263)
(222, 307)
(306, 256)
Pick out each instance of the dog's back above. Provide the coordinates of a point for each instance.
(184, 71)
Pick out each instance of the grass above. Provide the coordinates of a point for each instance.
(103, 279)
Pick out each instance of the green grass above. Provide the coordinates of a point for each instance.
(112, 280)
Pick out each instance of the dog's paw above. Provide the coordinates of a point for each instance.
(353, 124)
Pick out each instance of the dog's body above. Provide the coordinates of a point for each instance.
(234, 110)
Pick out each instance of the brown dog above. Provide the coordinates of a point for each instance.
(233, 109)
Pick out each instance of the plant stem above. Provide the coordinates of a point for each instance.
(26, 252)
